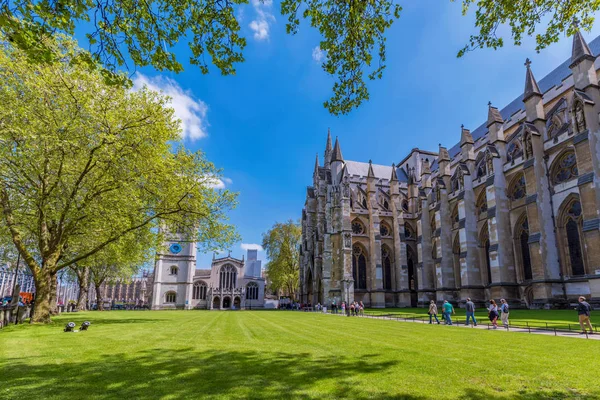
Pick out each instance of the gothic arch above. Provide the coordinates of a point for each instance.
(484, 246)
(570, 237)
(521, 245)
(359, 266)
(386, 263)
(454, 218)
(481, 204)
(409, 232)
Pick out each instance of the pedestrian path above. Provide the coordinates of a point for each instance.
(532, 330)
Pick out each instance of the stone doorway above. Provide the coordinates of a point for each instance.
(216, 303)
(237, 303)
(226, 302)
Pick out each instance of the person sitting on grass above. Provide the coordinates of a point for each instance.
(433, 312)
(448, 311)
(584, 310)
(493, 313)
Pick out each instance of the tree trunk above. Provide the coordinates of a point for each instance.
(53, 295)
(83, 278)
(99, 301)
(43, 288)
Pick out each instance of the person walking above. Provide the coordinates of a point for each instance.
(433, 312)
(470, 309)
(352, 309)
(504, 308)
(362, 308)
(448, 311)
(584, 310)
(493, 313)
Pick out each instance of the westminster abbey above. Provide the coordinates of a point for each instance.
(512, 211)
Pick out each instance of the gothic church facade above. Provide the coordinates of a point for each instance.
(511, 211)
(230, 283)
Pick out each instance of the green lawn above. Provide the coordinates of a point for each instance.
(287, 355)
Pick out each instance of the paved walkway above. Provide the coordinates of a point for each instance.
(573, 334)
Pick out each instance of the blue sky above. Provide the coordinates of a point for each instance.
(264, 125)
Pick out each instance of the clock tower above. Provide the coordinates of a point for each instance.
(174, 273)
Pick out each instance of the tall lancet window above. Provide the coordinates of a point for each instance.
(228, 277)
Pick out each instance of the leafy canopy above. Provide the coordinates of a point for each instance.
(524, 17)
(281, 244)
(84, 165)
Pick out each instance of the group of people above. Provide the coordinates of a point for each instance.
(354, 308)
(584, 310)
(494, 312)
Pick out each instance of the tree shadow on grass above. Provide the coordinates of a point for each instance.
(189, 374)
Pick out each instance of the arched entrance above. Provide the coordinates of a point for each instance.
(217, 303)
(226, 302)
(237, 303)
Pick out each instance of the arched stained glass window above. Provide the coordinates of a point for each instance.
(565, 168)
(199, 292)
(387, 268)
(252, 291)
(357, 227)
(517, 190)
(525, 254)
(384, 230)
(228, 277)
(359, 267)
(170, 297)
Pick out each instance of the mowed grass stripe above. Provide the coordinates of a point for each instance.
(275, 354)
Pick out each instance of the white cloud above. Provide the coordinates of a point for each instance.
(191, 111)
(318, 55)
(220, 183)
(251, 246)
(261, 24)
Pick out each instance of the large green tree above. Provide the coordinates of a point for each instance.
(281, 244)
(84, 165)
(352, 32)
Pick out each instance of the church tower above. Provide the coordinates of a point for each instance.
(174, 273)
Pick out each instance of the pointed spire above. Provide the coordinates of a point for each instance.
(443, 154)
(337, 152)
(317, 163)
(328, 146)
(531, 86)
(493, 115)
(394, 177)
(581, 50)
(370, 174)
(465, 136)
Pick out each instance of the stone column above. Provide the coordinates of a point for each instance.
(425, 269)
(375, 272)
